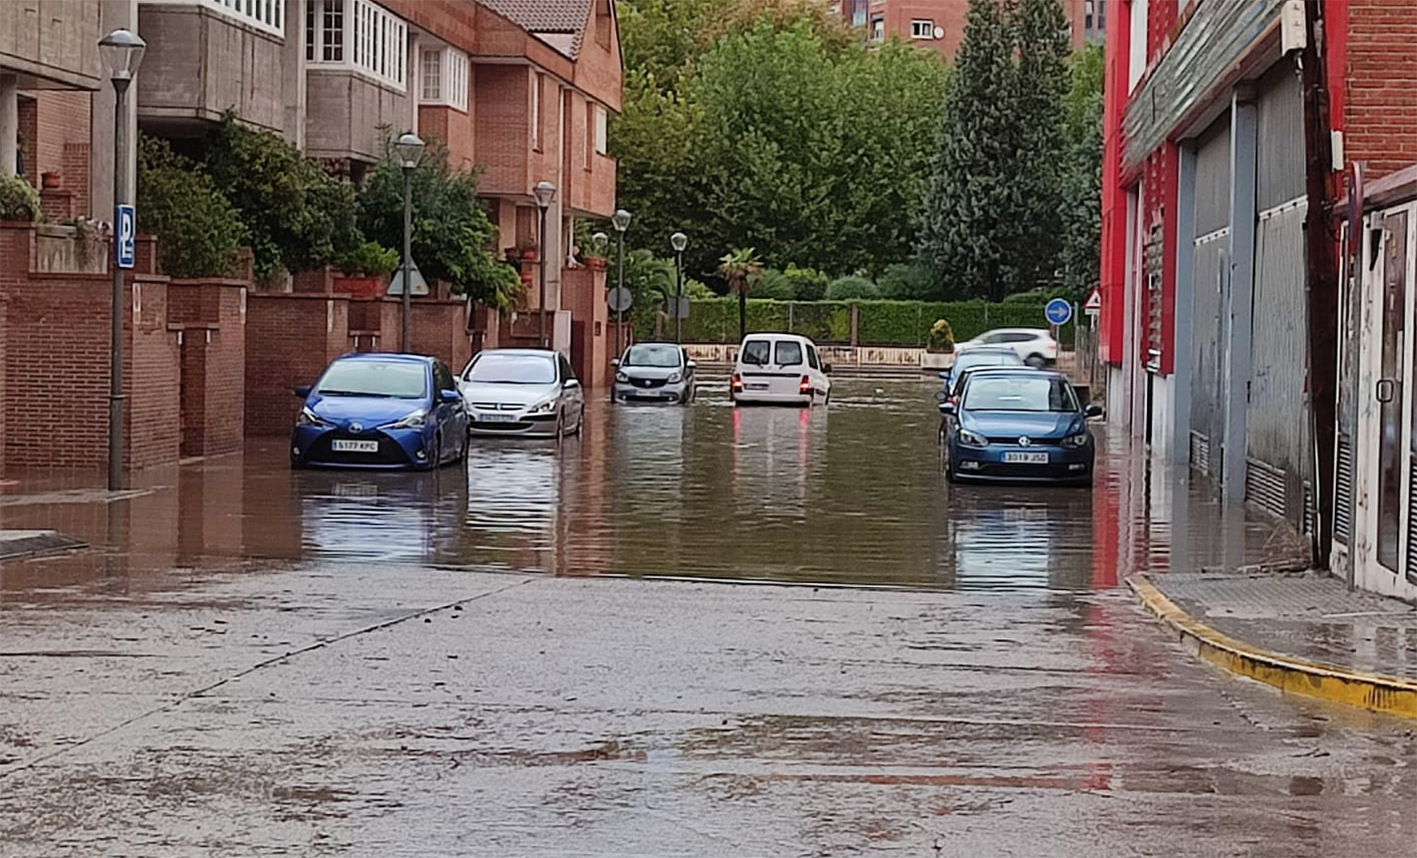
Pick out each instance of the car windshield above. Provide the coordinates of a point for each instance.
(395, 380)
(1019, 393)
(968, 360)
(652, 355)
(492, 368)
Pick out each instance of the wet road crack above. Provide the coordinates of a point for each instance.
(259, 666)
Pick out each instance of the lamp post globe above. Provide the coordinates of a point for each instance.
(679, 241)
(621, 220)
(409, 148)
(122, 53)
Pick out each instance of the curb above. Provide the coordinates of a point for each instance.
(1374, 692)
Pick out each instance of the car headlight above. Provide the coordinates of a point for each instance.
(544, 407)
(1073, 442)
(416, 420)
(969, 439)
(675, 378)
(309, 418)
(621, 377)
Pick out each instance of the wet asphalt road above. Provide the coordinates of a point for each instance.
(845, 656)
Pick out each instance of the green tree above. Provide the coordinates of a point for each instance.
(1081, 213)
(297, 216)
(198, 230)
(1041, 44)
(452, 236)
(741, 268)
(970, 194)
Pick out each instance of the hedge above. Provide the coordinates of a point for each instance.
(882, 323)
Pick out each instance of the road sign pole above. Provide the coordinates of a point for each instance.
(116, 309)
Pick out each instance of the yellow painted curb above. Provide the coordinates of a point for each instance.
(1386, 694)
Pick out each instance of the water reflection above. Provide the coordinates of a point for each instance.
(850, 494)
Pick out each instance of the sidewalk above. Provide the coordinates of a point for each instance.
(1305, 634)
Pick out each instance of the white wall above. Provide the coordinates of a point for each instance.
(1136, 62)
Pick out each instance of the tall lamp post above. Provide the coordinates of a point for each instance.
(545, 192)
(621, 222)
(410, 149)
(679, 241)
(122, 53)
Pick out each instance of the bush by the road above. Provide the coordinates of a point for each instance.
(880, 323)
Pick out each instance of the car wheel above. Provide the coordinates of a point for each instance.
(1036, 361)
(580, 422)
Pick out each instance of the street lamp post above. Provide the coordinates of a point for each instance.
(545, 192)
(409, 148)
(679, 241)
(621, 222)
(122, 53)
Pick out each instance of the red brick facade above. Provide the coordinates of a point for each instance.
(1378, 101)
(209, 317)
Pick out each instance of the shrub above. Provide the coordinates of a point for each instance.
(19, 200)
(198, 230)
(774, 285)
(847, 288)
(370, 259)
(908, 282)
(298, 216)
(807, 284)
(942, 338)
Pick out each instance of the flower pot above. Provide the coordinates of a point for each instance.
(595, 264)
(50, 181)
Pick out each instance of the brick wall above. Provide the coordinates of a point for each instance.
(290, 338)
(63, 120)
(503, 100)
(453, 127)
(590, 351)
(439, 328)
(210, 316)
(153, 412)
(1380, 121)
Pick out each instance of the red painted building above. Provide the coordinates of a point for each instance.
(1223, 173)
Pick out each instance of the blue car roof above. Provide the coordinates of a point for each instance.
(386, 357)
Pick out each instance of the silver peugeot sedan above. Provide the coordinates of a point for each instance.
(654, 372)
(529, 392)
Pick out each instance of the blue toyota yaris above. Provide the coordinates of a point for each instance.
(381, 411)
(1019, 426)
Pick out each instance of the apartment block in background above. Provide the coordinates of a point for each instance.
(939, 24)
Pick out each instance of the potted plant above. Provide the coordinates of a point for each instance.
(366, 270)
(19, 201)
(939, 346)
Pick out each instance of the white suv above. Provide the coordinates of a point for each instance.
(1034, 346)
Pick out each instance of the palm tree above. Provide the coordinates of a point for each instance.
(742, 269)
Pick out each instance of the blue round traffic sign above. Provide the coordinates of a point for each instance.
(1058, 311)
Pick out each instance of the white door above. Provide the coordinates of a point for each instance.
(1385, 555)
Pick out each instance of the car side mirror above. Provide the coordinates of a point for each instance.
(941, 396)
(1093, 411)
(949, 407)
(691, 365)
(944, 374)
(303, 391)
(449, 396)
(615, 362)
(571, 383)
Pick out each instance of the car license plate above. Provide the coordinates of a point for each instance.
(759, 386)
(1026, 458)
(342, 446)
(497, 418)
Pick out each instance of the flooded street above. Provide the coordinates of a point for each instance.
(839, 654)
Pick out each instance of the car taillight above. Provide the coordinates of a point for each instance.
(737, 382)
(806, 385)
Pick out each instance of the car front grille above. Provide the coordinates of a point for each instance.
(648, 382)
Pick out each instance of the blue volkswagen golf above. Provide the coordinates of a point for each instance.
(1019, 425)
(381, 411)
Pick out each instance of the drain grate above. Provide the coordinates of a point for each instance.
(1412, 527)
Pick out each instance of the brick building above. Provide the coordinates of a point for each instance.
(521, 89)
(939, 24)
(1233, 348)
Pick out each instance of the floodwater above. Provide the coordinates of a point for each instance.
(583, 650)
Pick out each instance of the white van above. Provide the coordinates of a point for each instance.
(780, 369)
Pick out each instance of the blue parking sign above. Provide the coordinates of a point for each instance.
(125, 236)
(1058, 311)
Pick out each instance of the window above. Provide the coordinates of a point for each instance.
(1136, 64)
(265, 15)
(324, 31)
(503, 368)
(432, 75)
(789, 353)
(397, 379)
(812, 358)
(567, 374)
(665, 357)
(378, 41)
(878, 29)
(536, 82)
(756, 352)
(602, 122)
(922, 29)
(443, 377)
(1019, 393)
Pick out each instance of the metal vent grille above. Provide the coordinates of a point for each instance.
(1343, 492)
(1311, 515)
(1411, 530)
(1264, 486)
(1200, 453)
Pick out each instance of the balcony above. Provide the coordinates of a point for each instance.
(51, 44)
(208, 56)
(357, 72)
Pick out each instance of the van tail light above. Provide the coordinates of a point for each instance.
(737, 383)
(806, 385)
